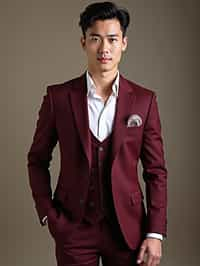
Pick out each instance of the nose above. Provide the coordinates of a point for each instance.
(104, 47)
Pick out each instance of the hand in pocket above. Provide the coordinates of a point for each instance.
(53, 220)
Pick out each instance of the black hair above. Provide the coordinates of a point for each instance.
(102, 11)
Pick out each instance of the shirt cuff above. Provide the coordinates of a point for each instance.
(44, 220)
(155, 235)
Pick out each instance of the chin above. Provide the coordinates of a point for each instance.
(105, 68)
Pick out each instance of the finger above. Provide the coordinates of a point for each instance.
(141, 254)
(156, 261)
(157, 258)
(149, 260)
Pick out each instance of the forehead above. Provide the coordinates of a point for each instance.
(105, 27)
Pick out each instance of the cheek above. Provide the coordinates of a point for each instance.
(91, 53)
(117, 52)
(90, 49)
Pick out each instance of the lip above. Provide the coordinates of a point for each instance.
(104, 60)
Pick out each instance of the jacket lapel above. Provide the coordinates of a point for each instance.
(78, 97)
(124, 107)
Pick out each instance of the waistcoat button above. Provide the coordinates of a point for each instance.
(91, 203)
(91, 187)
(81, 201)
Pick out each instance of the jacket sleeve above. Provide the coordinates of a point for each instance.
(40, 155)
(154, 172)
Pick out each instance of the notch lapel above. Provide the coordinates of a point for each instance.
(78, 96)
(125, 105)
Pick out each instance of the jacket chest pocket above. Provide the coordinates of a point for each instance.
(134, 131)
(134, 136)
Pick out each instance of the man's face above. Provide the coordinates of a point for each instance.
(103, 45)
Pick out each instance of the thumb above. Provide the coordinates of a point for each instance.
(141, 254)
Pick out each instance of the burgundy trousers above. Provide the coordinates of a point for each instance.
(82, 243)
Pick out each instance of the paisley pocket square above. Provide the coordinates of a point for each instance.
(134, 121)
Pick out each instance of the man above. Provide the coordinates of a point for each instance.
(104, 124)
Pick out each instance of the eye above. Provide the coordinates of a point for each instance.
(112, 40)
(94, 39)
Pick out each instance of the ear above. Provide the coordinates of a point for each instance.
(82, 40)
(124, 43)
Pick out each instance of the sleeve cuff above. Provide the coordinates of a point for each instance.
(155, 235)
(44, 220)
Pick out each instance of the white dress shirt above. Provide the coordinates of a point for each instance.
(101, 116)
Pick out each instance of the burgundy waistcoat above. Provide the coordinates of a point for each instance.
(99, 202)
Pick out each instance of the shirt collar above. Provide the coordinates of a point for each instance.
(91, 88)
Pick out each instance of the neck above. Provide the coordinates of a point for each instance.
(103, 80)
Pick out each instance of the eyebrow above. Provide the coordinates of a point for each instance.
(108, 35)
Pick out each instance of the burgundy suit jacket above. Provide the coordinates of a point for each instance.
(63, 118)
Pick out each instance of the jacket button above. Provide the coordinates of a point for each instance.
(100, 148)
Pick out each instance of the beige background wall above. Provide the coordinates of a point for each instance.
(40, 46)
